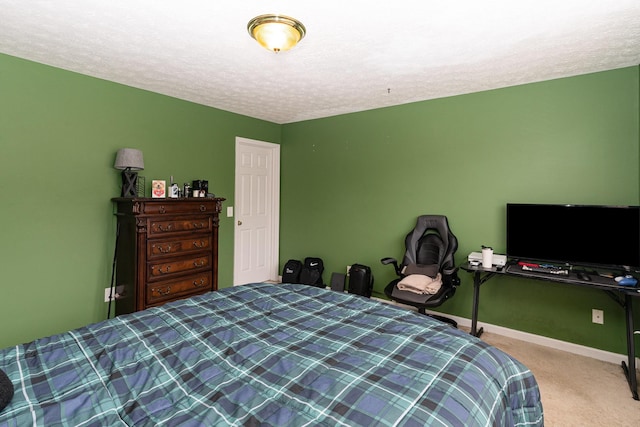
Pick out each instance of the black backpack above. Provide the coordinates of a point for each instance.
(291, 271)
(360, 280)
(311, 273)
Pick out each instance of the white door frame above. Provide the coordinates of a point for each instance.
(274, 193)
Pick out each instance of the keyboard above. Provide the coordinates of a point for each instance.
(544, 268)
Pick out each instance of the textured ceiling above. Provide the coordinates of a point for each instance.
(357, 55)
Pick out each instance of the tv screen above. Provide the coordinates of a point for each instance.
(588, 235)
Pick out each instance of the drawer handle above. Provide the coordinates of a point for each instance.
(165, 249)
(162, 291)
(163, 229)
(199, 225)
(203, 208)
(200, 263)
(166, 270)
(199, 244)
(162, 209)
(199, 284)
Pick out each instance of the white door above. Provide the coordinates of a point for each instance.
(257, 200)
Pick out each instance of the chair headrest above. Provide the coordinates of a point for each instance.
(440, 225)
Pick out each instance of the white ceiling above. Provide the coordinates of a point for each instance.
(357, 55)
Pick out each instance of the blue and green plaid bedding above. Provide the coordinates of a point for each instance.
(280, 355)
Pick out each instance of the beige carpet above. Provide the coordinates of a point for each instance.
(575, 390)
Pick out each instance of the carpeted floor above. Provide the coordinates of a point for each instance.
(576, 390)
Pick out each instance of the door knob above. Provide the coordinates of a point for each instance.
(239, 222)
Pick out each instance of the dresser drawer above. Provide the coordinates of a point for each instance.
(158, 269)
(173, 247)
(165, 227)
(185, 206)
(170, 290)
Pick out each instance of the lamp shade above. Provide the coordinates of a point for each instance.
(129, 158)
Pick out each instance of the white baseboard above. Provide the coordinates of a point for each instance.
(581, 350)
(594, 353)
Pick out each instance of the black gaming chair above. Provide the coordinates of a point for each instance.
(430, 247)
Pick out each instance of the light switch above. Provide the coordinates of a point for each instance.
(229, 211)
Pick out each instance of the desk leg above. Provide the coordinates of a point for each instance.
(630, 370)
(476, 299)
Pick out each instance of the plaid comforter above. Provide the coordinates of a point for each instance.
(280, 355)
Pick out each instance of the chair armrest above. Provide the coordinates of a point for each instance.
(389, 260)
(450, 276)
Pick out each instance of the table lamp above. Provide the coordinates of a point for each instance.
(129, 160)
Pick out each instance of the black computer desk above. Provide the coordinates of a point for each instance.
(623, 295)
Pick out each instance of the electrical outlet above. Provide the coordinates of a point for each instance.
(348, 269)
(107, 293)
(597, 316)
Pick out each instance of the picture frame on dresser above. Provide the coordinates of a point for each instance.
(158, 189)
(167, 249)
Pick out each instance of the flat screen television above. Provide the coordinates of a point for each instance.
(582, 235)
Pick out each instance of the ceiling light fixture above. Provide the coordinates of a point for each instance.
(276, 32)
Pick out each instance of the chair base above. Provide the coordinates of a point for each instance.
(440, 318)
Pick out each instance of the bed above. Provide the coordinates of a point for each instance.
(264, 354)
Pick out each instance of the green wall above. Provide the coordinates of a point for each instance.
(59, 132)
(352, 186)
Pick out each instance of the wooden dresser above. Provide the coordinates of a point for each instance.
(167, 250)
